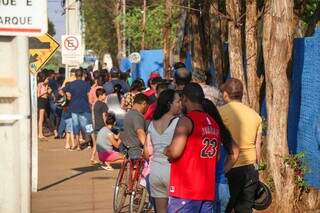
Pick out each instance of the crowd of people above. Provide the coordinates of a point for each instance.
(201, 143)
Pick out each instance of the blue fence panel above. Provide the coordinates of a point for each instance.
(304, 110)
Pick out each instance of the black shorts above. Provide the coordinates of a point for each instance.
(42, 103)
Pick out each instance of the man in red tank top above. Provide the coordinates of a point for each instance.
(193, 156)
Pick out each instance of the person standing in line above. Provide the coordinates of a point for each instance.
(98, 83)
(151, 109)
(193, 155)
(100, 114)
(245, 127)
(226, 160)
(210, 92)
(77, 92)
(134, 133)
(161, 131)
(127, 99)
(43, 90)
(115, 79)
(182, 76)
(114, 105)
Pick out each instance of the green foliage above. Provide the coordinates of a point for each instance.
(270, 183)
(299, 164)
(99, 26)
(309, 10)
(262, 165)
(55, 62)
(153, 30)
(51, 28)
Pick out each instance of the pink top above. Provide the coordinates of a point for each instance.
(42, 90)
(92, 94)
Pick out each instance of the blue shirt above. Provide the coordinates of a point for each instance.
(108, 86)
(221, 178)
(54, 85)
(79, 96)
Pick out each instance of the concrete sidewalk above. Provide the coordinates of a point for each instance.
(68, 183)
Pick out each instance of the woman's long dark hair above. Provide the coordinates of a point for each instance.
(118, 90)
(41, 77)
(136, 85)
(212, 110)
(166, 98)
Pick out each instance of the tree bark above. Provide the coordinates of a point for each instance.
(178, 43)
(216, 42)
(166, 38)
(277, 49)
(118, 29)
(235, 45)
(205, 34)
(197, 53)
(180, 35)
(253, 83)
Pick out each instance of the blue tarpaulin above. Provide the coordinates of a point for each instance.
(304, 109)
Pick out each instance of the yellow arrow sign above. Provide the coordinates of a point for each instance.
(41, 49)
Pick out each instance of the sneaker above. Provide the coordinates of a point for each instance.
(108, 168)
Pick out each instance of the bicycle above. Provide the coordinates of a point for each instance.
(128, 183)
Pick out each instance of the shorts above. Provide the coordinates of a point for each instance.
(176, 205)
(109, 156)
(159, 180)
(43, 103)
(69, 127)
(82, 121)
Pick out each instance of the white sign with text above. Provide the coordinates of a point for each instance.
(72, 51)
(23, 17)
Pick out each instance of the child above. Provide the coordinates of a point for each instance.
(66, 115)
(100, 112)
(106, 139)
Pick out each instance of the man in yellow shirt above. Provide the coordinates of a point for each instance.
(245, 127)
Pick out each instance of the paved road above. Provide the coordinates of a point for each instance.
(68, 183)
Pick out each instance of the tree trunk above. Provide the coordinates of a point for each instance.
(253, 83)
(143, 23)
(235, 46)
(166, 38)
(118, 29)
(178, 43)
(205, 34)
(197, 53)
(216, 42)
(277, 47)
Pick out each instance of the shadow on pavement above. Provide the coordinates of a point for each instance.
(81, 170)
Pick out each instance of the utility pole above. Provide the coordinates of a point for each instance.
(15, 152)
(144, 23)
(72, 22)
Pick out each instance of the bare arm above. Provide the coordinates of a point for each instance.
(115, 141)
(141, 135)
(231, 157)
(183, 129)
(104, 116)
(258, 145)
(146, 153)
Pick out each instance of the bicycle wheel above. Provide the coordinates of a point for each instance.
(120, 189)
(138, 198)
